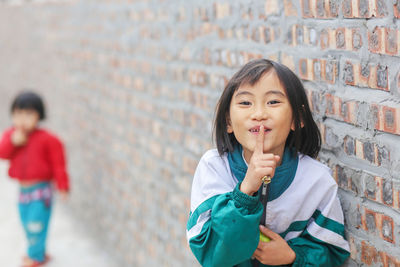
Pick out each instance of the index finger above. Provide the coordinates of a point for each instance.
(259, 149)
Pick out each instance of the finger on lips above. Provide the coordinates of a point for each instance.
(260, 141)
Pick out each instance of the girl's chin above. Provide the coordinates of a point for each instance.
(28, 130)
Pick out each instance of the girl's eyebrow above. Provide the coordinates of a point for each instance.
(272, 92)
(243, 93)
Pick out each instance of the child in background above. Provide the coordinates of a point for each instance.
(36, 159)
(264, 128)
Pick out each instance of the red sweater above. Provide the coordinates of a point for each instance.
(40, 159)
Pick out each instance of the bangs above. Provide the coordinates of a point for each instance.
(29, 101)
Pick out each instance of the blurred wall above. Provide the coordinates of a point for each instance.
(131, 87)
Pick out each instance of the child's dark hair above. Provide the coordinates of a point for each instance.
(29, 100)
(306, 139)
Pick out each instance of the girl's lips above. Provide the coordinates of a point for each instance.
(256, 130)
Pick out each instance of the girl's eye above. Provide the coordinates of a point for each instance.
(245, 103)
(273, 102)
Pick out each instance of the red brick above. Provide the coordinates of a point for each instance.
(340, 38)
(349, 145)
(387, 119)
(396, 9)
(349, 73)
(189, 165)
(290, 10)
(271, 7)
(330, 106)
(372, 76)
(373, 195)
(198, 77)
(374, 222)
(267, 34)
(170, 156)
(391, 41)
(343, 178)
(384, 41)
(347, 8)
(391, 119)
(357, 42)
(350, 108)
(156, 149)
(369, 255)
(324, 39)
(293, 35)
(386, 228)
(341, 109)
(389, 261)
(306, 9)
(218, 81)
(288, 61)
(353, 248)
(247, 13)
(327, 70)
(375, 41)
(222, 10)
(372, 153)
(323, 9)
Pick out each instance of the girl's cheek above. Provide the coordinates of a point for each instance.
(17, 123)
(31, 124)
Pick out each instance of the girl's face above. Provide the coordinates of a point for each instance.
(264, 103)
(25, 119)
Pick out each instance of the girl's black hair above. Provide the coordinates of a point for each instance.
(29, 100)
(306, 139)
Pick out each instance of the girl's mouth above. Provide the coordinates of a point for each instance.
(256, 130)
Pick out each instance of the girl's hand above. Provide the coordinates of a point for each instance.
(275, 252)
(64, 195)
(260, 165)
(18, 137)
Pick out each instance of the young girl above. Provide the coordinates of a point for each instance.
(36, 159)
(264, 128)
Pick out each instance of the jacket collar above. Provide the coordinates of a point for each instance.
(284, 174)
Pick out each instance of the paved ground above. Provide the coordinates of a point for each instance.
(68, 244)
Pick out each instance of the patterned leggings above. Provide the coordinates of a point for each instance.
(35, 210)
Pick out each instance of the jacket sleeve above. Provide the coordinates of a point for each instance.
(313, 252)
(6, 146)
(323, 241)
(223, 229)
(58, 164)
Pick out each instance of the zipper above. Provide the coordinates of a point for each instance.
(264, 197)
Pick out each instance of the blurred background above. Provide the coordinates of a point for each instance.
(131, 87)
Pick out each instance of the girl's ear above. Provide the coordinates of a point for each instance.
(229, 128)
(301, 119)
(292, 125)
(301, 122)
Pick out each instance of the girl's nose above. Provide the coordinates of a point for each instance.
(259, 113)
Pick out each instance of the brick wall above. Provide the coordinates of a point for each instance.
(132, 85)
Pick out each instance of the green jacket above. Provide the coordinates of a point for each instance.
(222, 229)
